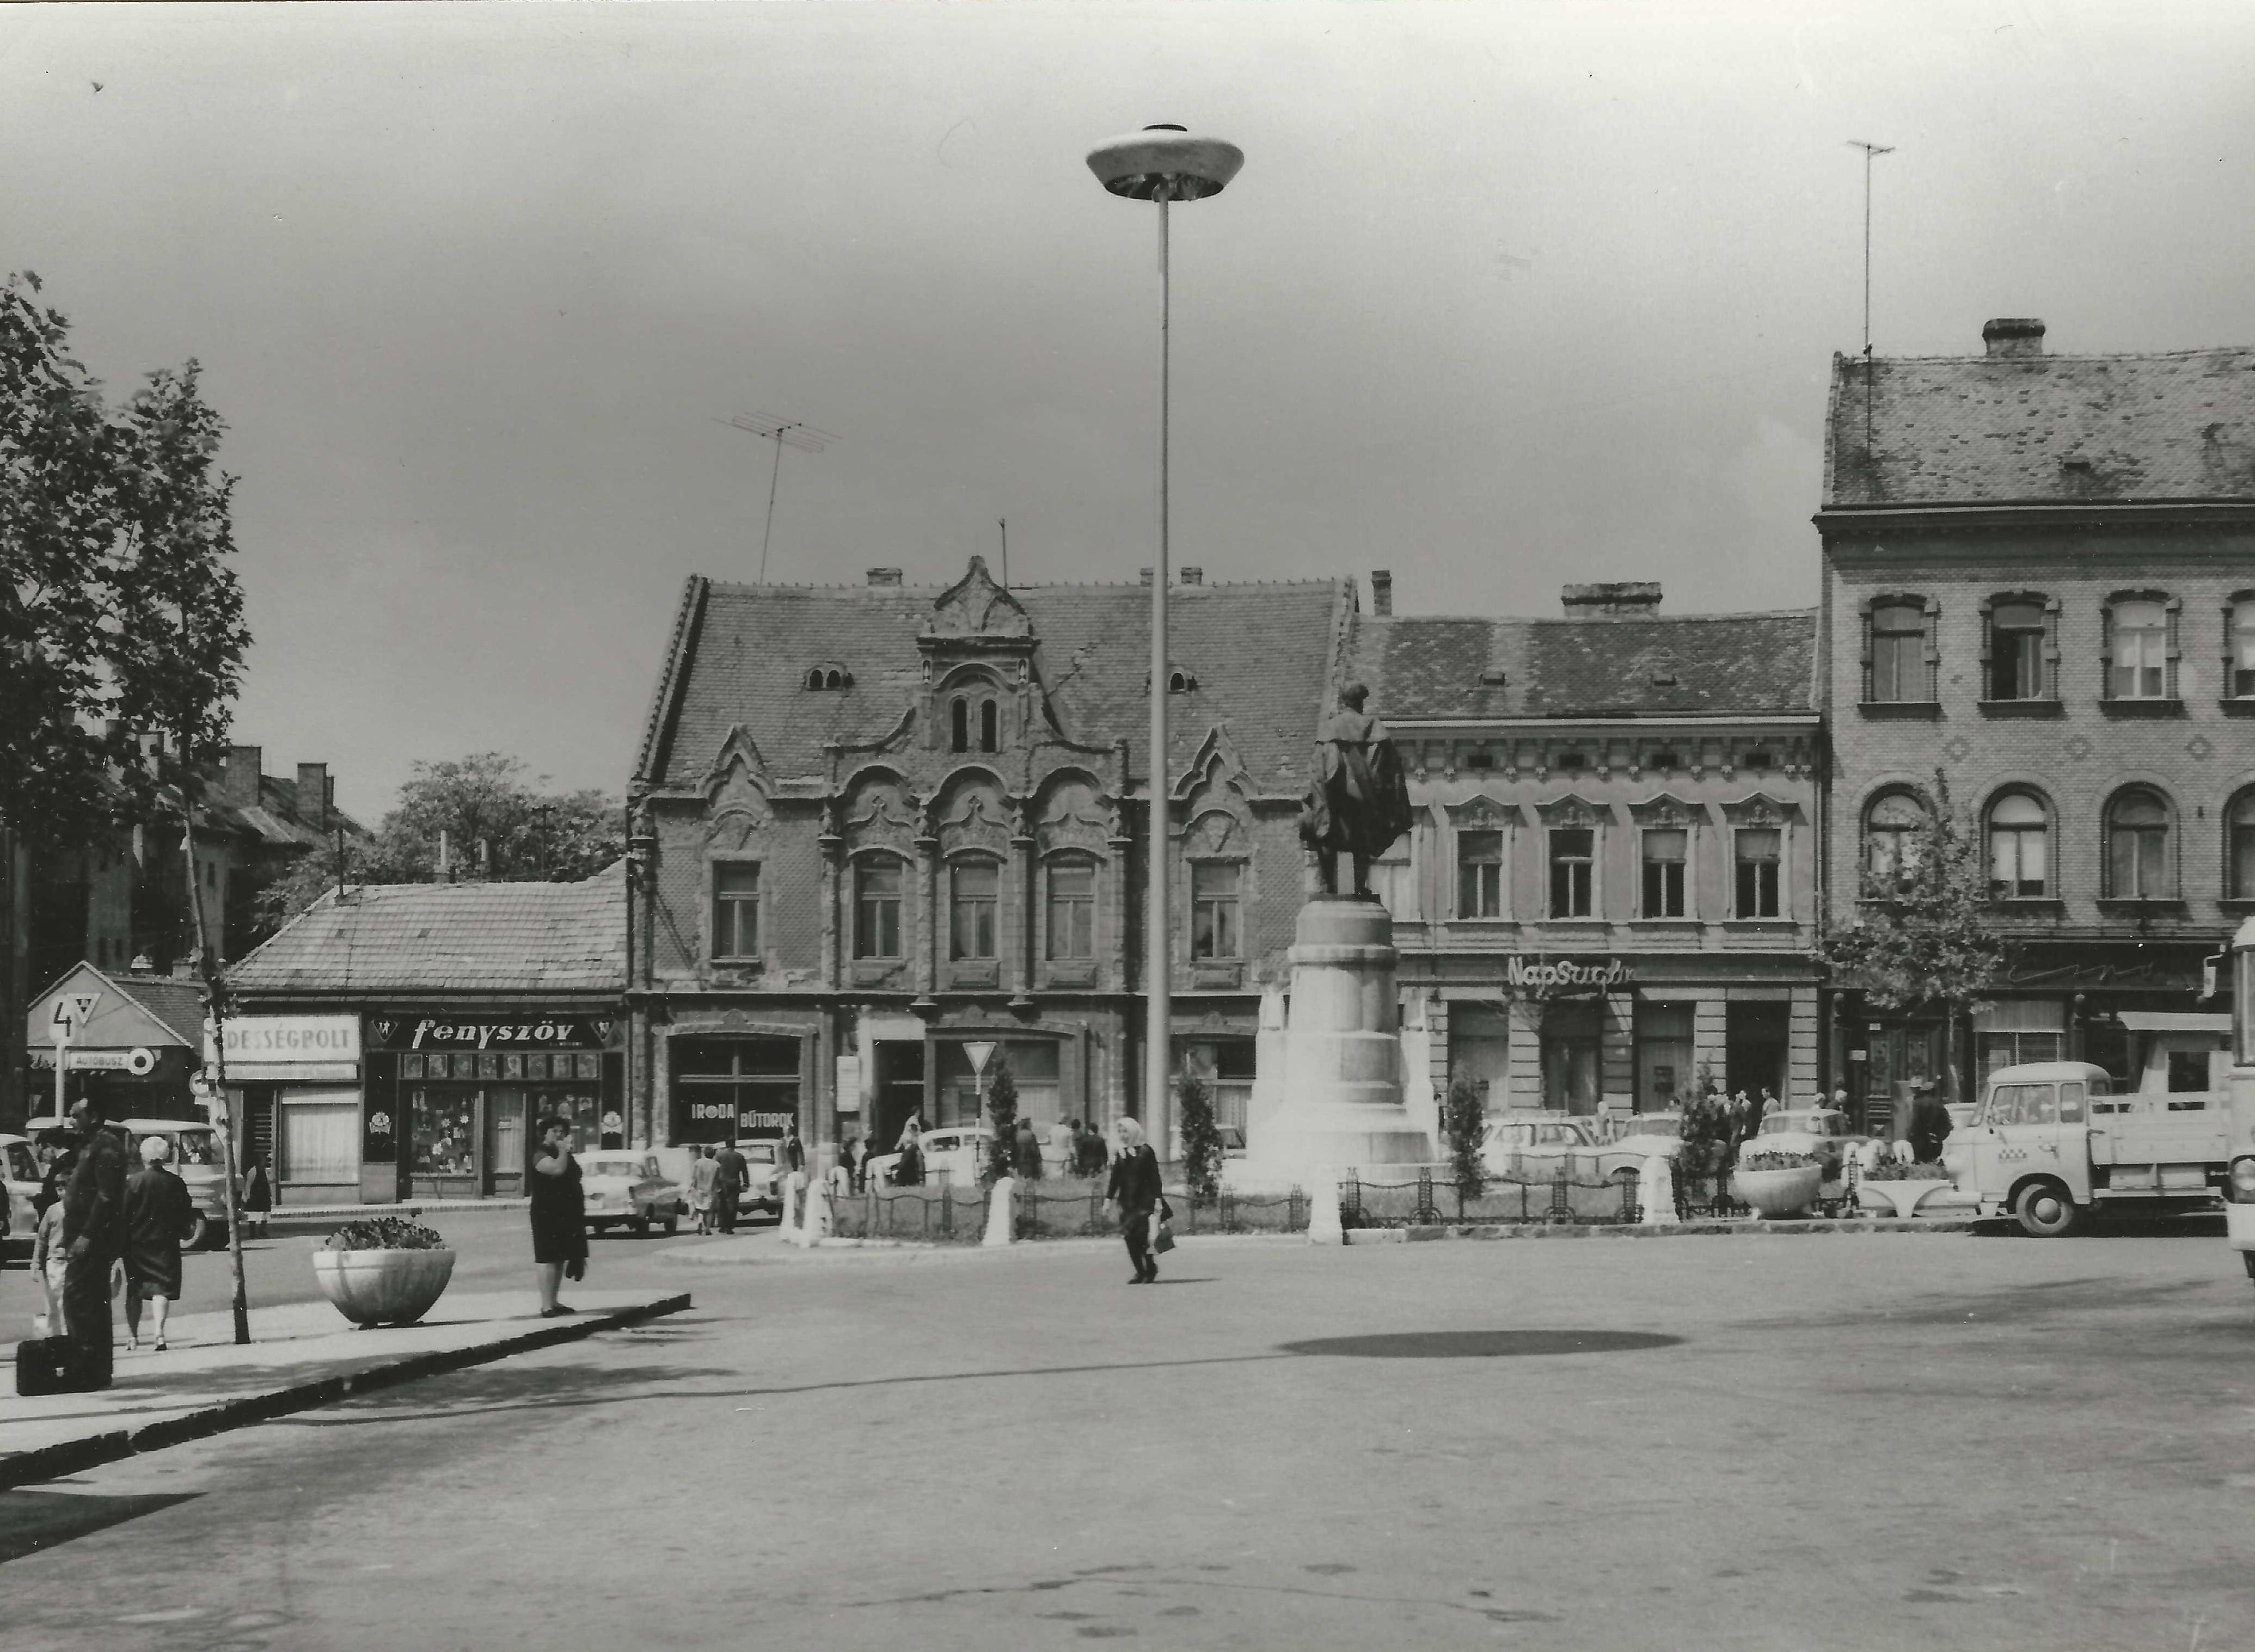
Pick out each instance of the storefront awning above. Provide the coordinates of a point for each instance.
(2173, 1021)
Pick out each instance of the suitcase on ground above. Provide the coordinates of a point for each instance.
(44, 1366)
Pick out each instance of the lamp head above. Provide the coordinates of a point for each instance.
(1165, 160)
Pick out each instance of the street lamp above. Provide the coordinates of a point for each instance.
(1164, 163)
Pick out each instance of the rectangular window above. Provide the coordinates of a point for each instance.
(2141, 867)
(1759, 856)
(1072, 910)
(1214, 892)
(319, 1135)
(1899, 653)
(735, 909)
(1479, 874)
(975, 886)
(1664, 855)
(2141, 652)
(2016, 652)
(877, 909)
(1572, 871)
(2243, 651)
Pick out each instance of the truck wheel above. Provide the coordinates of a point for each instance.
(199, 1235)
(2045, 1212)
(672, 1222)
(641, 1226)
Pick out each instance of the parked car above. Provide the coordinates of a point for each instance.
(1651, 1136)
(197, 1159)
(627, 1190)
(763, 1174)
(1518, 1147)
(1822, 1132)
(959, 1150)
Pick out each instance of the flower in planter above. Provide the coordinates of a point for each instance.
(1896, 1170)
(385, 1233)
(1777, 1161)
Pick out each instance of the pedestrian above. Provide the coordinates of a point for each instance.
(158, 1216)
(1930, 1126)
(94, 1238)
(1026, 1150)
(1769, 1102)
(732, 1174)
(1096, 1157)
(702, 1171)
(559, 1215)
(908, 1169)
(257, 1195)
(49, 1254)
(852, 1156)
(1060, 1147)
(1134, 1193)
(794, 1154)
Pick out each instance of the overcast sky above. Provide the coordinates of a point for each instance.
(1504, 295)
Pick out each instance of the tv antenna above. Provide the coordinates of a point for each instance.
(1870, 150)
(783, 433)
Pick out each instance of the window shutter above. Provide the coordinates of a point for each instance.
(2169, 685)
(1868, 621)
(1988, 645)
(2106, 652)
(1933, 650)
(2106, 852)
(2051, 648)
(2228, 680)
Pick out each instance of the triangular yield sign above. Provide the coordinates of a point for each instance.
(84, 1003)
(978, 1053)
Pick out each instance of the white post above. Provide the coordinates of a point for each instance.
(999, 1209)
(1323, 1225)
(1159, 1057)
(1656, 1191)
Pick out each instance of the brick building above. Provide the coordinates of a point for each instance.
(875, 822)
(2039, 578)
(1611, 886)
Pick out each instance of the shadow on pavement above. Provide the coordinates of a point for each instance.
(1480, 1345)
(487, 1389)
(31, 1521)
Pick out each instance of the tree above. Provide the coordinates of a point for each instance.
(1202, 1145)
(1002, 1115)
(1466, 1125)
(1924, 933)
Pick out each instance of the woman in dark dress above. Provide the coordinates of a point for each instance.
(559, 1215)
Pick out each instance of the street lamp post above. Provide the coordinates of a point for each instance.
(1164, 163)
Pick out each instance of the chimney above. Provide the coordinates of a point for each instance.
(240, 785)
(1144, 575)
(1612, 599)
(884, 575)
(2013, 335)
(1382, 593)
(1194, 575)
(314, 795)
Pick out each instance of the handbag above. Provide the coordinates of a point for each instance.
(1163, 1240)
(576, 1270)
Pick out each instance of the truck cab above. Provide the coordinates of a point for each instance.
(2239, 1106)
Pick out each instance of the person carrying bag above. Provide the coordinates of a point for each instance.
(1135, 1190)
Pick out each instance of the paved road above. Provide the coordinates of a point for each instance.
(1829, 1442)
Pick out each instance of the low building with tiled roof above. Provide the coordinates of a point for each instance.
(1631, 794)
(2039, 587)
(398, 1041)
(886, 822)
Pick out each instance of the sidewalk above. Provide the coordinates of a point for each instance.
(303, 1354)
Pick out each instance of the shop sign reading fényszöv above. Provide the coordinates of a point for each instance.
(1563, 974)
(488, 1033)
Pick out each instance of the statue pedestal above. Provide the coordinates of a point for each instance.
(1340, 1103)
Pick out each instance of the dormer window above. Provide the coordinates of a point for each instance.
(822, 678)
(1181, 681)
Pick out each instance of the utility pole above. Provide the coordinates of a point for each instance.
(215, 1013)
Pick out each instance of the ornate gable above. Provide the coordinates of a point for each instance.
(974, 607)
(1573, 810)
(738, 791)
(1667, 811)
(1759, 808)
(1481, 813)
(1217, 766)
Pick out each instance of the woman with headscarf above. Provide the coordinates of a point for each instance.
(158, 1216)
(1134, 1192)
(559, 1215)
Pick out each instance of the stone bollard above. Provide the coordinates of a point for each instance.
(999, 1209)
(814, 1218)
(1656, 1191)
(1324, 1226)
(794, 1192)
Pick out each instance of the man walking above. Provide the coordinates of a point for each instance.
(731, 1173)
(702, 1175)
(94, 1238)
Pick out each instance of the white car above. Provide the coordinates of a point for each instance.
(1521, 1146)
(627, 1190)
(1821, 1133)
(1654, 1136)
(958, 1151)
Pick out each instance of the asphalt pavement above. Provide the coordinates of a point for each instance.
(1824, 1441)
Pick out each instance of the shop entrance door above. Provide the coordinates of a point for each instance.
(1753, 1051)
(1900, 1057)
(505, 1143)
(1570, 1057)
(900, 1089)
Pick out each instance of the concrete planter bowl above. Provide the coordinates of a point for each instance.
(1778, 1193)
(382, 1287)
(1896, 1198)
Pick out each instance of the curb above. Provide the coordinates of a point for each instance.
(74, 1456)
(1671, 1231)
(914, 1250)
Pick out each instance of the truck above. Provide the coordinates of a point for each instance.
(2055, 1143)
(2239, 1109)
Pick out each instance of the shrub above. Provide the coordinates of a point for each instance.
(1202, 1146)
(1002, 1115)
(1466, 1124)
(385, 1233)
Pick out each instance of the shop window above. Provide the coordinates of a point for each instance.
(1216, 889)
(1479, 874)
(320, 1134)
(2240, 640)
(974, 888)
(1761, 855)
(1665, 851)
(2019, 640)
(877, 908)
(444, 1129)
(1898, 666)
(735, 909)
(2140, 649)
(1573, 871)
(1570, 1042)
(1664, 1074)
(2137, 866)
(1480, 1049)
(2019, 848)
(739, 1088)
(1072, 910)
(2239, 847)
(1894, 826)
(2012, 1031)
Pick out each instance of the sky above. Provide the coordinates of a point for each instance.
(1506, 296)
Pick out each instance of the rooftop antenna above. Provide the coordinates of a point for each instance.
(1870, 150)
(1003, 522)
(783, 433)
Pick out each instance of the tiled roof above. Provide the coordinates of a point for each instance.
(1751, 664)
(178, 1003)
(2042, 429)
(1261, 655)
(502, 937)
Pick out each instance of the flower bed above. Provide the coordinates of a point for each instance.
(1895, 1170)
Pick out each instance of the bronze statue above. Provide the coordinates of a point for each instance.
(1357, 803)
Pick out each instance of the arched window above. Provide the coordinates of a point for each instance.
(990, 726)
(959, 727)
(2239, 847)
(2137, 861)
(2138, 650)
(2019, 848)
(1893, 827)
(814, 678)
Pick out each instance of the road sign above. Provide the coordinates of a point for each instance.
(141, 1061)
(71, 1012)
(979, 1052)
